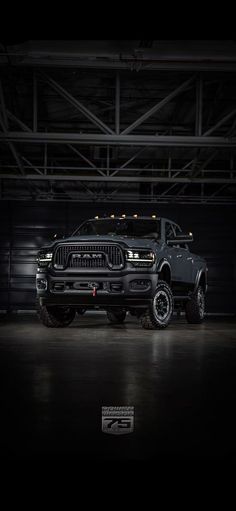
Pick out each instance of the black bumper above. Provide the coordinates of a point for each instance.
(92, 290)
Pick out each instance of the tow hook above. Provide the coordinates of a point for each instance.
(94, 286)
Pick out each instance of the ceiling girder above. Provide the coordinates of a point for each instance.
(77, 104)
(138, 140)
(113, 179)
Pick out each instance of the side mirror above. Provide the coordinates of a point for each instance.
(180, 239)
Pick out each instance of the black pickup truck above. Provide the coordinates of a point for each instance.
(138, 264)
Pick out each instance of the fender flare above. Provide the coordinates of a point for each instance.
(198, 276)
(162, 263)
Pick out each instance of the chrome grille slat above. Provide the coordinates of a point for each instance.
(62, 257)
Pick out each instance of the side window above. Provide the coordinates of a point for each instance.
(169, 231)
(182, 245)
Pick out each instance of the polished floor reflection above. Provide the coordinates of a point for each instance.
(181, 382)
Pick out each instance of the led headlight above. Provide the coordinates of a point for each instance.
(44, 258)
(140, 257)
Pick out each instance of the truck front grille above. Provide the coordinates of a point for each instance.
(88, 256)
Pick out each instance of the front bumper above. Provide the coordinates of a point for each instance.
(121, 289)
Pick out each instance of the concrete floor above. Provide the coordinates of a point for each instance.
(181, 381)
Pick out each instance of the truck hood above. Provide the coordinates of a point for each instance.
(126, 242)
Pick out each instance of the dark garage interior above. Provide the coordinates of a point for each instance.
(100, 128)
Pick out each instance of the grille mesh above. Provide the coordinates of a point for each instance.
(64, 252)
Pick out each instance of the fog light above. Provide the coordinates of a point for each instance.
(116, 287)
(140, 285)
(41, 284)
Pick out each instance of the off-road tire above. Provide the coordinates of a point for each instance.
(195, 307)
(116, 316)
(152, 319)
(55, 317)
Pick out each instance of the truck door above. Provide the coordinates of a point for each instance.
(185, 259)
(179, 256)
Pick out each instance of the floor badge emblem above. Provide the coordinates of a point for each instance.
(118, 420)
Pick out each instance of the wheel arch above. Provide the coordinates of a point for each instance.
(201, 279)
(164, 271)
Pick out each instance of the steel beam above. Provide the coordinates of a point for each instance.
(3, 109)
(183, 168)
(135, 140)
(93, 195)
(119, 61)
(132, 159)
(31, 166)
(20, 123)
(108, 161)
(5, 126)
(13, 150)
(35, 103)
(218, 190)
(158, 106)
(130, 169)
(45, 157)
(220, 123)
(113, 179)
(129, 161)
(117, 108)
(210, 158)
(134, 198)
(199, 98)
(90, 163)
(202, 168)
(195, 172)
(77, 104)
(168, 189)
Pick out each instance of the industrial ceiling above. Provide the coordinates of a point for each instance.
(120, 121)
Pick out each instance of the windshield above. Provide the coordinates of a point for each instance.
(121, 227)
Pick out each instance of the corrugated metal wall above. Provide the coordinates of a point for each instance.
(26, 226)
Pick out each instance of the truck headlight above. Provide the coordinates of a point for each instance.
(140, 257)
(44, 258)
